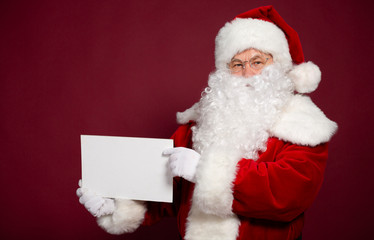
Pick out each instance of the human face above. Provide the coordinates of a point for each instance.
(252, 56)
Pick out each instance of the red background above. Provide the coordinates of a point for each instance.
(124, 68)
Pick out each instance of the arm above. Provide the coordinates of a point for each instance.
(126, 217)
(116, 216)
(129, 215)
(282, 184)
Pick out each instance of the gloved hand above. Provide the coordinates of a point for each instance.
(96, 205)
(183, 162)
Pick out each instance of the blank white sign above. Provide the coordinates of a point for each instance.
(125, 167)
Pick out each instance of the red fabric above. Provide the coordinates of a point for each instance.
(270, 194)
(268, 13)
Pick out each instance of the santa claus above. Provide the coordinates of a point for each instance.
(249, 157)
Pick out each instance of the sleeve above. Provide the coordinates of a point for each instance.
(282, 184)
(129, 215)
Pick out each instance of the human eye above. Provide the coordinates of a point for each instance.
(236, 65)
(258, 63)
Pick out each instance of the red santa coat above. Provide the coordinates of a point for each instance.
(269, 196)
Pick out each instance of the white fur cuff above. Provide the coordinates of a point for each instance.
(126, 218)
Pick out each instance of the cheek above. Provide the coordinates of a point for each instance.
(237, 74)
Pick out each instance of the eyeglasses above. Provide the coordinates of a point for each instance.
(256, 63)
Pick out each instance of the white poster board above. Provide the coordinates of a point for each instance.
(126, 167)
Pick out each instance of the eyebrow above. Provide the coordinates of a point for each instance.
(255, 56)
(236, 59)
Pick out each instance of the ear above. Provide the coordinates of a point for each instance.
(306, 77)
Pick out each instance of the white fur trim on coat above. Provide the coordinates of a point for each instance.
(303, 123)
(306, 77)
(211, 216)
(241, 34)
(214, 176)
(126, 218)
(203, 226)
(190, 114)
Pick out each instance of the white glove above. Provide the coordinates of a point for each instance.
(183, 162)
(96, 205)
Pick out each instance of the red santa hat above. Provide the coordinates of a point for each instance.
(265, 30)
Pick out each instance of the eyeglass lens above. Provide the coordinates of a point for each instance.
(256, 63)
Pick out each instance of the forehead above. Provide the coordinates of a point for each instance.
(249, 53)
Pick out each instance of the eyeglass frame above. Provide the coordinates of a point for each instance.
(250, 63)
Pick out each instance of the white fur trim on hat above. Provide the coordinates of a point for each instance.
(244, 33)
(306, 77)
(126, 218)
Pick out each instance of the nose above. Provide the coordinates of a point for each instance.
(248, 71)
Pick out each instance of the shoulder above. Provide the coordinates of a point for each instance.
(183, 135)
(302, 122)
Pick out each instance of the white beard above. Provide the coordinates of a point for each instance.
(236, 112)
(234, 117)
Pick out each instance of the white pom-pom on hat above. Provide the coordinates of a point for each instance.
(306, 77)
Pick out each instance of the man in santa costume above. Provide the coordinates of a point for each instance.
(249, 157)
